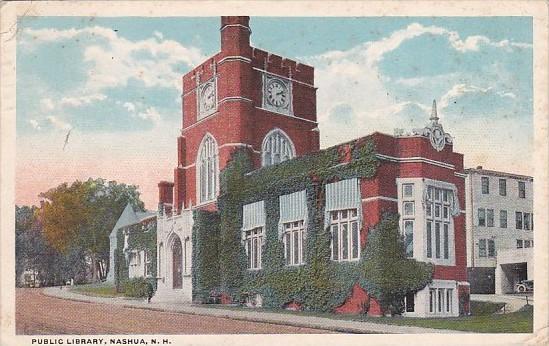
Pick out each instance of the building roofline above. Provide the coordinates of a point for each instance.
(482, 171)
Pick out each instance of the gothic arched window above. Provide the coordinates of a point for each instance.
(207, 167)
(277, 147)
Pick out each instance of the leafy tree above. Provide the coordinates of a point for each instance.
(392, 274)
(32, 251)
(81, 215)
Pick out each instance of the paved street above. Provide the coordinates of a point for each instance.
(37, 313)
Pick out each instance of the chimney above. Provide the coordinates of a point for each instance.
(479, 167)
(235, 36)
(165, 192)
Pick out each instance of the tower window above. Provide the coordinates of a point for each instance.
(277, 147)
(208, 171)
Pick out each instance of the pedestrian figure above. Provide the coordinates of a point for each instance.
(150, 291)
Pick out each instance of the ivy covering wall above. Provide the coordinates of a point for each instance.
(142, 236)
(206, 244)
(320, 284)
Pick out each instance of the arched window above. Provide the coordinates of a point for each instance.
(207, 166)
(277, 147)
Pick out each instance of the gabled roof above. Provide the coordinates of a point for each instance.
(130, 217)
(147, 214)
(127, 217)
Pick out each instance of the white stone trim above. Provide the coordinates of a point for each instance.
(234, 99)
(415, 159)
(287, 115)
(383, 198)
(420, 221)
(203, 204)
(245, 145)
(236, 58)
(461, 175)
(199, 88)
(235, 25)
(200, 121)
(280, 76)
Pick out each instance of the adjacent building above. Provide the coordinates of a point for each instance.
(246, 99)
(500, 225)
(132, 246)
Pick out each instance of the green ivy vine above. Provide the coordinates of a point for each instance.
(141, 236)
(320, 284)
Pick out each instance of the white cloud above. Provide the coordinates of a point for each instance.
(58, 123)
(352, 78)
(129, 106)
(159, 35)
(35, 125)
(457, 91)
(149, 114)
(82, 100)
(372, 52)
(153, 61)
(47, 104)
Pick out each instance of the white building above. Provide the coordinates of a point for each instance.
(138, 261)
(174, 257)
(499, 226)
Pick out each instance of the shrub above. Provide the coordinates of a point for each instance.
(485, 308)
(138, 288)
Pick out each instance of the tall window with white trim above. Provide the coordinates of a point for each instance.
(441, 301)
(408, 217)
(148, 263)
(293, 239)
(439, 225)
(208, 171)
(343, 215)
(345, 235)
(253, 232)
(292, 224)
(277, 147)
(252, 242)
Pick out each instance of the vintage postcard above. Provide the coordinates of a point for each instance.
(262, 172)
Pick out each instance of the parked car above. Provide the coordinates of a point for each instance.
(524, 286)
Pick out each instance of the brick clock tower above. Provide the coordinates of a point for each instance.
(240, 97)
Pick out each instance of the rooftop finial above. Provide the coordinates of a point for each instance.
(434, 115)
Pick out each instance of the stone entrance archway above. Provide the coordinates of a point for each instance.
(177, 263)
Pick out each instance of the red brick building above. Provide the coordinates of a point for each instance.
(234, 99)
(244, 97)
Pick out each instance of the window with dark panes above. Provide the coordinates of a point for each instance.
(485, 182)
(503, 187)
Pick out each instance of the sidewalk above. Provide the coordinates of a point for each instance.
(344, 326)
(512, 302)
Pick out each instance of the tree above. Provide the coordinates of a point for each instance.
(386, 266)
(32, 251)
(81, 216)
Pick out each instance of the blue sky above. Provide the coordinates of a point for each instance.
(115, 82)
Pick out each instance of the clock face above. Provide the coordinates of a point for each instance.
(207, 97)
(277, 93)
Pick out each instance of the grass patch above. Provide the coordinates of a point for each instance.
(516, 322)
(479, 308)
(97, 290)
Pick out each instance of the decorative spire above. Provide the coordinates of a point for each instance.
(434, 115)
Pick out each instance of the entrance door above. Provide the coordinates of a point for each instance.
(177, 263)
